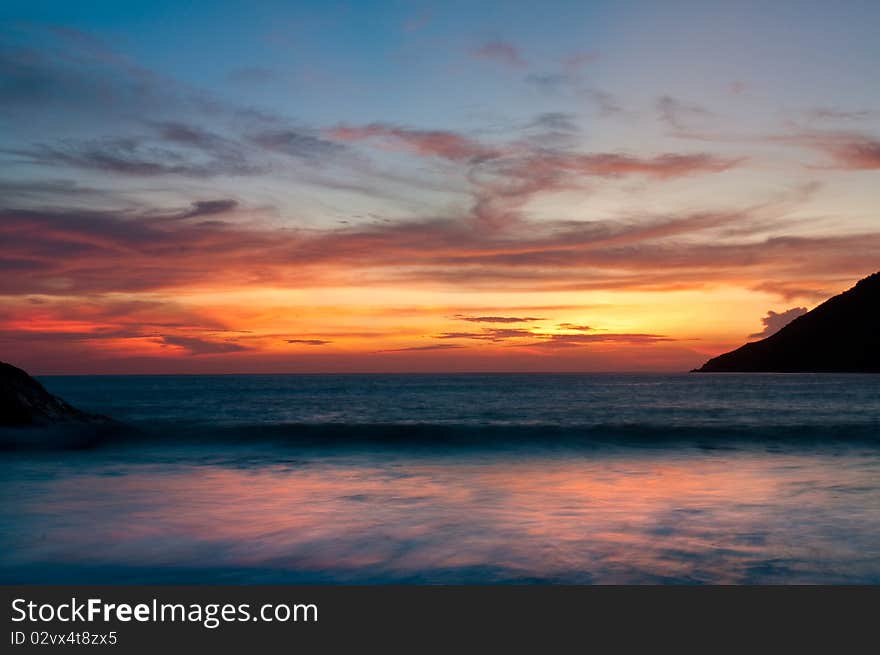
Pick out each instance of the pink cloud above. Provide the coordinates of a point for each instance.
(436, 143)
(847, 150)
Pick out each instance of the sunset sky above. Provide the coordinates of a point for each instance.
(223, 187)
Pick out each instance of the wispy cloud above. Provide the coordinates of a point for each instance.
(502, 52)
(436, 346)
(488, 334)
(176, 150)
(76, 252)
(679, 114)
(536, 338)
(575, 328)
(853, 152)
(832, 114)
(435, 143)
(498, 319)
(197, 346)
(606, 103)
(297, 143)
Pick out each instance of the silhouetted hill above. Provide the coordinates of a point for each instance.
(840, 335)
(24, 401)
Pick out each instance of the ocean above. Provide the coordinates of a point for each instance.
(448, 479)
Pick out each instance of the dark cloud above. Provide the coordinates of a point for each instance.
(576, 328)
(553, 340)
(41, 189)
(774, 322)
(197, 346)
(297, 143)
(498, 319)
(309, 342)
(195, 137)
(208, 208)
(575, 340)
(137, 156)
(436, 346)
(488, 334)
(91, 323)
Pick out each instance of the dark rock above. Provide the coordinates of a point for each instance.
(842, 335)
(24, 402)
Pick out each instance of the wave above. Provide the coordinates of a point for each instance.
(450, 435)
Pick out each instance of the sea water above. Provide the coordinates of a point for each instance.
(690, 478)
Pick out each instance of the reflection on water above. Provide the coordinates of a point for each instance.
(616, 516)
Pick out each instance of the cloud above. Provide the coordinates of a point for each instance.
(488, 334)
(72, 72)
(81, 252)
(97, 326)
(435, 143)
(436, 346)
(297, 143)
(552, 339)
(548, 83)
(555, 121)
(577, 328)
(40, 190)
(503, 179)
(678, 114)
(498, 319)
(575, 340)
(845, 150)
(855, 154)
(800, 288)
(662, 166)
(831, 114)
(502, 52)
(309, 342)
(210, 208)
(193, 154)
(774, 322)
(503, 186)
(607, 104)
(100, 319)
(77, 251)
(196, 346)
